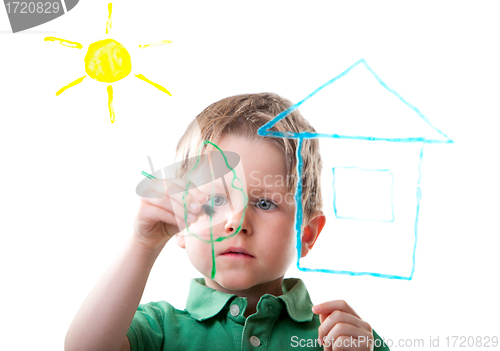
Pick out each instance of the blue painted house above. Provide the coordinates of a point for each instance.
(372, 144)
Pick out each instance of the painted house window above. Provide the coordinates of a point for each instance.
(364, 194)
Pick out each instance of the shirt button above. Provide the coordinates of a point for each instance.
(254, 341)
(234, 310)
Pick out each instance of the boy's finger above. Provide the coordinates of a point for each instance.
(198, 194)
(160, 187)
(179, 186)
(164, 210)
(174, 203)
(348, 343)
(183, 202)
(346, 337)
(152, 214)
(163, 203)
(344, 329)
(180, 205)
(330, 306)
(340, 317)
(174, 208)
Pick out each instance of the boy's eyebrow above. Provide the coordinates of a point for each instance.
(263, 189)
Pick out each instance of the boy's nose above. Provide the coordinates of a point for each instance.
(235, 221)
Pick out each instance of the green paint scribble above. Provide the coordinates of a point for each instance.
(212, 241)
(148, 175)
(245, 201)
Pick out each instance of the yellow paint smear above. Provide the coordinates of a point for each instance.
(163, 42)
(110, 21)
(72, 84)
(107, 61)
(64, 42)
(110, 104)
(157, 86)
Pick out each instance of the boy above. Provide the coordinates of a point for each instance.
(242, 302)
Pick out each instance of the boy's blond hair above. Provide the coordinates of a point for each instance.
(242, 115)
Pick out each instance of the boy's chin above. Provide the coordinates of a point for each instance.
(234, 283)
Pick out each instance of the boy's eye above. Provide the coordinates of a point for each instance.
(265, 205)
(219, 200)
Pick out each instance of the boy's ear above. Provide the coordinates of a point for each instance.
(311, 232)
(181, 241)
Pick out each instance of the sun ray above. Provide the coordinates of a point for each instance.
(109, 21)
(157, 86)
(110, 104)
(64, 42)
(163, 42)
(72, 84)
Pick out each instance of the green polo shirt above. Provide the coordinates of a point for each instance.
(214, 320)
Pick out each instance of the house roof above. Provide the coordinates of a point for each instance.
(357, 104)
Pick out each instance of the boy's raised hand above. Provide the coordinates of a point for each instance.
(161, 211)
(341, 328)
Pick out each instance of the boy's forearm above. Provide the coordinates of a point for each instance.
(103, 320)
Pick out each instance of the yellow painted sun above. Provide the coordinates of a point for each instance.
(107, 61)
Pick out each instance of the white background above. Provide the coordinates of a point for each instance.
(68, 175)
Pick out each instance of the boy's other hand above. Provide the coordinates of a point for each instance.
(161, 215)
(341, 328)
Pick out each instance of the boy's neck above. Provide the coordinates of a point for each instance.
(252, 294)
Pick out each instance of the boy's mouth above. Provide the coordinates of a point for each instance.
(236, 252)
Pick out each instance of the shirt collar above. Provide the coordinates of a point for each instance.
(297, 300)
(204, 302)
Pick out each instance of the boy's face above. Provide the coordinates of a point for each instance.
(265, 246)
